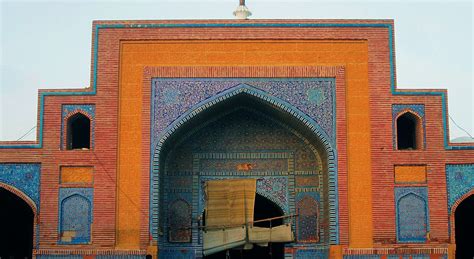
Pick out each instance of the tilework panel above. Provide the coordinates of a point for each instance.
(69, 109)
(412, 214)
(307, 207)
(362, 257)
(120, 257)
(420, 256)
(24, 177)
(314, 97)
(311, 254)
(59, 257)
(253, 165)
(400, 108)
(217, 149)
(179, 218)
(241, 130)
(176, 254)
(170, 197)
(307, 181)
(460, 181)
(75, 217)
(275, 189)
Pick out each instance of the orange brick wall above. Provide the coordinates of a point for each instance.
(351, 54)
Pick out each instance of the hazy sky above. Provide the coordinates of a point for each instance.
(47, 44)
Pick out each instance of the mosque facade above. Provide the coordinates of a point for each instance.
(240, 139)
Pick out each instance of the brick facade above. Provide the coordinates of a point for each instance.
(359, 157)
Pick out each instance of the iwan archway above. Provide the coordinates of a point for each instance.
(464, 226)
(17, 220)
(245, 132)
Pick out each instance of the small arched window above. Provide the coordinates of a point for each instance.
(78, 132)
(409, 132)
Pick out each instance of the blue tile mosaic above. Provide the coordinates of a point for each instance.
(397, 109)
(68, 110)
(307, 208)
(179, 221)
(314, 97)
(24, 177)
(362, 256)
(459, 181)
(176, 253)
(59, 257)
(120, 256)
(412, 214)
(311, 254)
(75, 215)
(198, 94)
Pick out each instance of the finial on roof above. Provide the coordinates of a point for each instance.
(242, 12)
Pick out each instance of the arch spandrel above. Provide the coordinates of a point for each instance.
(240, 89)
(23, 180)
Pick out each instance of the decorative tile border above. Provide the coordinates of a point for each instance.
(412, 218)
(396, 252)
(23, 177)
(99, 253)
(263, 96)
(192, 92)
(74, 205)
(311, 254)
(69, 110)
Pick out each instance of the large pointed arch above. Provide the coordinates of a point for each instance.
(31, 204)
(271, 104)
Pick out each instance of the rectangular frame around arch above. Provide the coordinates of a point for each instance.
(339, 198)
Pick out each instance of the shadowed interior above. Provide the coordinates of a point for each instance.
(16, 226)
(464, 217)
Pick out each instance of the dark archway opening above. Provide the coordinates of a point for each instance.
(464, 222)
(78, 132)
(407, 131)
(242, 123)
(264, 209)
(16, 226)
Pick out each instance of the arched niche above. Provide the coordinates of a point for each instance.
(409, 131)
(18, 218)
(244, 98)
(78, 134)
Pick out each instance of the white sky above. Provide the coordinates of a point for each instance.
(47, 44)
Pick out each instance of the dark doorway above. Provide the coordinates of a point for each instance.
(78, 132)
(464, 222)
(406, 131)
(264, 209)
(16, 225)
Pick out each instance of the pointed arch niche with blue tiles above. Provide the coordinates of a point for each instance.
(309, 102)
(412, 218)
(75, 215)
